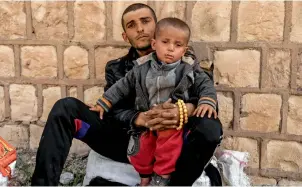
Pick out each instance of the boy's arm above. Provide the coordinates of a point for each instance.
(118, 91)
(124, 111)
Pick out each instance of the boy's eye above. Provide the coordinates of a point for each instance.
(165, 42)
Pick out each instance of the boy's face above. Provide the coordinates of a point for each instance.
(170, 44)
(139, 28)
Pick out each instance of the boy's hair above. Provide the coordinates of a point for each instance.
(174, 22)
(137, 6)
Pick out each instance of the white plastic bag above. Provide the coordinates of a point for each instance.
(4, 180)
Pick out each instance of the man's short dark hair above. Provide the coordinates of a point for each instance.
(137, 6)
(173, 22)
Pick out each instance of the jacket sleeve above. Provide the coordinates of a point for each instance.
(118, 91)
(124, 111)
(204, 87)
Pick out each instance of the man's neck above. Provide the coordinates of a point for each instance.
(144, 52)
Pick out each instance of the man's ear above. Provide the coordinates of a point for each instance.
(153, 42)
(125, 37)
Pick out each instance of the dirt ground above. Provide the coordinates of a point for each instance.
(26, 163)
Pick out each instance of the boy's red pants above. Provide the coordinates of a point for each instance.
(158, 153)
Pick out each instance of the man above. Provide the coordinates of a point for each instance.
(70, 118)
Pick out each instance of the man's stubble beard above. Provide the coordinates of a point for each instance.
(143, 48)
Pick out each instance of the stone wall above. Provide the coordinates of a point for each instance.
(50, 50)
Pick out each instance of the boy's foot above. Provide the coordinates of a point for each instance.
(158, 180)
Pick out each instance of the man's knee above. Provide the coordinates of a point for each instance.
(65, 105)
(68, 102)
(209, 129)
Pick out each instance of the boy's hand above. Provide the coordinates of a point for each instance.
(202, 109)
(97, 108)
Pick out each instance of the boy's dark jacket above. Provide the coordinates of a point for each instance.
(192, 84)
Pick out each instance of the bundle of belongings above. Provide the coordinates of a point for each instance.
(230, 165)
(8, 157)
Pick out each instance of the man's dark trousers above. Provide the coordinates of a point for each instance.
(70, 118)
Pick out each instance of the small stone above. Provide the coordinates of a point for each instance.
(66, 178)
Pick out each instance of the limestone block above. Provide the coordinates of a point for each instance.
(104, 55)
(299, 72)
(39, 61)
(73, 92)
(23, 101)
(12, 20)
(261, 20)
(226, 107)
(91, 95)
(278, 68)
(2, 104)
(89, 20)
(261, 181)
(50, 20)
(7, 62)
(296, 26)
(35, 135)
(16, 135)
(284, 182)
(76, 63)
(260, 112)
(165, 9)
(281, 155)
(211, 21)
(237, 68)
(294, 118)
(50, 96)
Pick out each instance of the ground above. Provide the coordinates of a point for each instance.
(26, 162)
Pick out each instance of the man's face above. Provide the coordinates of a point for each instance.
(139, 28)
(170, 44)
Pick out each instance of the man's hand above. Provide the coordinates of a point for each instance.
(162, 116)
(203, 108)
(97, 108)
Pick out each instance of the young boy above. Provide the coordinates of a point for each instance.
(156, 78)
